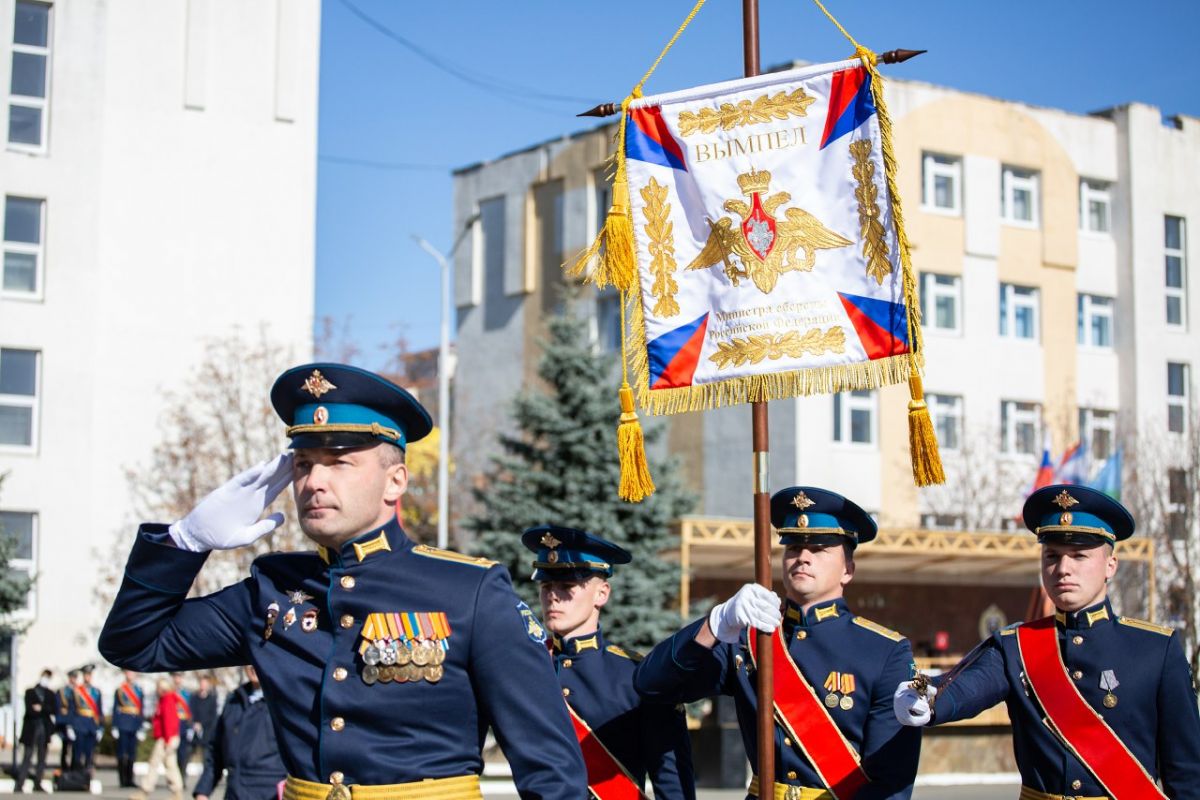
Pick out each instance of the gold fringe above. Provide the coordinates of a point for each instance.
(636, 483)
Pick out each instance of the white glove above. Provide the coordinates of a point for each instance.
(141, 736)
(99, 735)
(753, 606)
(70, 734)
(229, 517)
(116, 735)
(910, 707)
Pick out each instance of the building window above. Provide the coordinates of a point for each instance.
(1019, 196)
(854, 417)
(1019, 427)
(549, 208)
(946, 410)
(1175, 244)
(1095, 206)
(1178, 389)
(942, 522)
(608, 320)
(941, 296)
(1177, 504)
(18, 397)
(1018, 311)
(23, 237)
(942, 181)
(1098, 430)
(20, 527)
(1095, 321)
(28, 89)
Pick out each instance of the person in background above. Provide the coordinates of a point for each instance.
(128, 717)
(36, 729)
(62, 719)
(87, 720)
(242, 745)
(186, 732)
(165, 725)
(204, 717)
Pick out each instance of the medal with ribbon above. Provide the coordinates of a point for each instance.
(404, 646)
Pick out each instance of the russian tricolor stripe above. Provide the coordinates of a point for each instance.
(648, 139)
(882, 327)
(850, 103)
(673, 357)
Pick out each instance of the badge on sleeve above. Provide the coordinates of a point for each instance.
(533, 628)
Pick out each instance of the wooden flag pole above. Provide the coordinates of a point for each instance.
(762, 505)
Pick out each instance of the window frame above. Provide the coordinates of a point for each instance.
(1176, 292)
(931, 169)
(31, 401)
(1092, 420)
(27, 565)
(934, 401)
(931, 291)
(41, 103)
(1180, 401)
(1099, 191)
(1008, 314)
(1013, 413)
(38, 251)
(843, 408)
(1085, 316)
(1013, 179)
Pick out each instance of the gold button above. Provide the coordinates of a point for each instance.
(1077, 785)
(1077, 640)
(340, 674)
(347, 620)
(802, 635)
(347, 581)
(791, 774)
(566, 692)
(567, 662)
(787, 741)
(336, 777)
(337, 723)
(1076, 674)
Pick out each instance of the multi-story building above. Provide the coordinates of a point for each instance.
(158, 178)
(1059, 304)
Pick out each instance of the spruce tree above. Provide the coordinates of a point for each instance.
(14, 593)
(559, 466)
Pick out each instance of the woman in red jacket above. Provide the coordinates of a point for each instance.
(165, 724)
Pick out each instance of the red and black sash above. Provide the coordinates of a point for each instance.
(807, 721)
(607, 777)
(130, 697)
(84, 694)
(1077, 724)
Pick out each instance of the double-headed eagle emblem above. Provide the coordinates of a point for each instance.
(763, 247)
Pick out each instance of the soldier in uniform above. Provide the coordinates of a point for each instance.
(1100, 705)
(128, 718)
(834, 671)
(87, 720)
(383, 662)
(622, 738)
(63, 717)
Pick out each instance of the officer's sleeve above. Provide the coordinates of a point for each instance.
(680, 670)
(519, 693)
(890, 750)
(214, 764)
(667, 752)
(153, 628)
(1178, 726)
(981, 684)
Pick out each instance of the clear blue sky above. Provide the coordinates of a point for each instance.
(412, 121)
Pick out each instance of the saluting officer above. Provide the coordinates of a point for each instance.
(834, 672)
(383, 662)
(128, 718)
(622, 738)
(1100, 705)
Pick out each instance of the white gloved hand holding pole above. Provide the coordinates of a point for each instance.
(910, 707)
(228, 517)
(753, 606)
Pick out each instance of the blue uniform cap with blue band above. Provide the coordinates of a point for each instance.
(808, 515)
(339, 406)
(1068, 514)
(571, 554)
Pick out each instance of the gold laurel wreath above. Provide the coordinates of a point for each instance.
(747, 112)
(875, 249)
(754, 349)
(661, 231)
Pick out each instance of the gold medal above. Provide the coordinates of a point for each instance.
(434, 673)
(831, 700)
(370, 675)
(439, 656)
(422, 653)
(411, 672)
(1110, 700)
(387, 674)
(847, 703)
(403, 653)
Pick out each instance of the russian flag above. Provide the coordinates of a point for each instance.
(647, 138)
(882, 327)
(1073, 466)
(674, 356)
(850, 103)
(1108, 479)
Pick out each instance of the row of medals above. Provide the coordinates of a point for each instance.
(845, 702)
(403, 661)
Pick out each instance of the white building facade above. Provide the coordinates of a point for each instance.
(158, 181)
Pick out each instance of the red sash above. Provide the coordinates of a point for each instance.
(86, 695)
(1077, 723)
(607, 778)
(131, 696)
(806, 719)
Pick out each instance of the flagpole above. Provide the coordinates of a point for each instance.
(762, 504)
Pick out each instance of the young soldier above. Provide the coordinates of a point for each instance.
(834, 671)
(128, 718)
(1100, 705)
(622, 739)
(383, 662)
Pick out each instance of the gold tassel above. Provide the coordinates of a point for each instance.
(922, 441)
(619, 269)
(636, 482)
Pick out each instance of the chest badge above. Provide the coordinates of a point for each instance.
(272, 615)
(843, 683)
(308, 623)
(1108, 682)
(404, 646)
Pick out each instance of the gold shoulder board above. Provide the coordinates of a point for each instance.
(617, 651)
(1007, 631)
(1146, 626)
(449, 555)
(863, 622)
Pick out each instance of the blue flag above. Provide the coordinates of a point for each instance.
(1108, 479)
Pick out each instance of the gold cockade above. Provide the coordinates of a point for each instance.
(762, 248)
